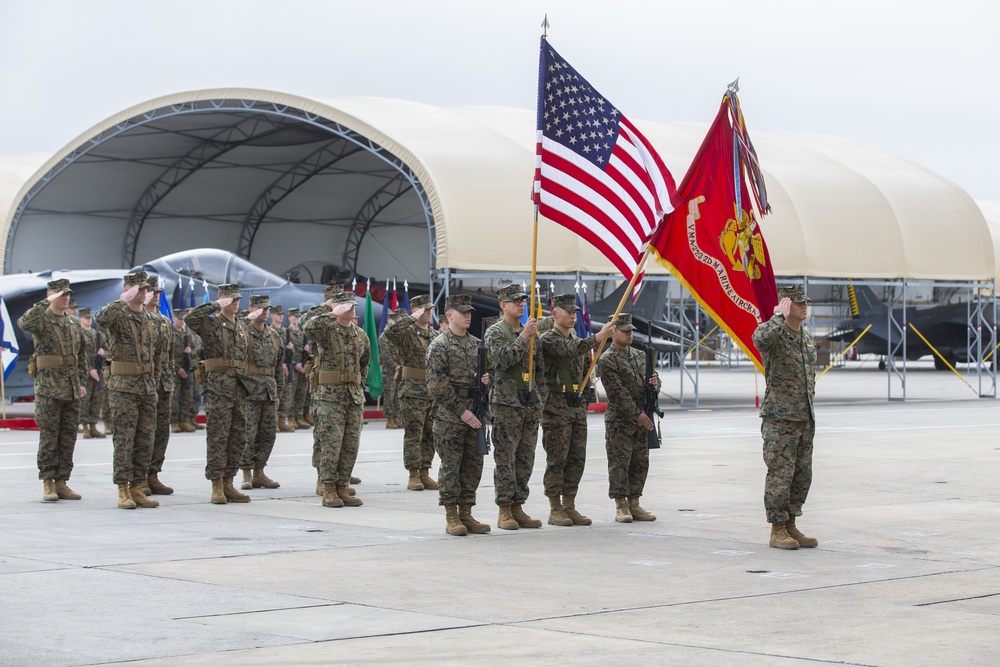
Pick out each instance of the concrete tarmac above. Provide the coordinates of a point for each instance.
(905, 503)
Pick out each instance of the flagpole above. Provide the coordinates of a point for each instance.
(621, 304)
(531, 313)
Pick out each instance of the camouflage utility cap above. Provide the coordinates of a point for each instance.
(277, 310)
(565, 301)
(547, 323)
(153, 285)
(72, 303)
(796, 293)
(61, 285)
(421, 301)
(511, 293)
(344, 297)
(333, 290)
(460, 302)
(294, 312)
(231, 291)
(180, 312)
(491, 320)
(85, 312)
(396, 314)
(260, 301)
(137, 279)
(623, 323)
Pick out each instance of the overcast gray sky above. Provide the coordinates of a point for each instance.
(911, 77)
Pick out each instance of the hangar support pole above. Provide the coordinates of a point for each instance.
(896, 348)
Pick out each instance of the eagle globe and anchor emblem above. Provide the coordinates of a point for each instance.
(743, 245)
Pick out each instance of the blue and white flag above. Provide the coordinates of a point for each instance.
(191, 292)
(165, 305)
(8, 341)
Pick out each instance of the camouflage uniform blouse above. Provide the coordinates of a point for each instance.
(622, 374)
(164, 353)
(411, 343)
(566, 361)
(451, 365)
(213, 329)
(502, 356)
(340, 348)
(57, 335)
(267, 351)
(120, 324)
(90, 342)
(177, 350)
(789, 370)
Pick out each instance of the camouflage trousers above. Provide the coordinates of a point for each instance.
(57, 421)
(162, 435)
(199, 394)
(182, 401)
(262, 425)
(565, 442)
(628, 458)
(286, 406)
(106, 407)
(303, 393)
(390, 401)
(461, 468)
(133, 417)
(91, 403)
(226, 426)
(418, 440)
(788, 449)
(515, 436)
(338, 436)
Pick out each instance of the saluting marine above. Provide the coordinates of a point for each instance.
(266, 368)
(623, 374)
(60, 363)
(164, 390)
(564, 420)
(788, 419)
(90, 404)
(184, 361)
(411, 335)
(388, 360)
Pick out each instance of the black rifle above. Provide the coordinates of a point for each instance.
(99, 361)
(481, 399)
(288, 353)
(651, 397)
(186, 362)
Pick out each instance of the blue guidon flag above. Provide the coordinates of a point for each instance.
(595, 173)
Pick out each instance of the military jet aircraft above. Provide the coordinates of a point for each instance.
(945, 326)
(185, 277)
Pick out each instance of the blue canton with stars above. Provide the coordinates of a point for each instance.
(572, 113)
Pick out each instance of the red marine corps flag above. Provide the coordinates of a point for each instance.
(712, 243)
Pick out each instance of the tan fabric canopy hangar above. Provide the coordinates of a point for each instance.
(840, 209)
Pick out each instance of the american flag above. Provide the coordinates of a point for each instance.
(595, 173)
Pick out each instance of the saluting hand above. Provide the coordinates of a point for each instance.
(224, 301)
(784, 307)
(129, 294)
(342, 308)
(53, 296)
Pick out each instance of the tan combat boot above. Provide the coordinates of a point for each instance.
(320, 490)
(125, 501)
(638, 514)
(473, 526)
(49, 494)
(330, 497)
(414, 483)
(452, 525)
(96, 432)
(793, 532)
(622, 515)
(523, 520)
(427, 480)
(232, 495)
(349, 500)
(176, 428)
(780, 537)
(156, 486)
(85, 431)
(557, 515)
(136, 491)
(197, 426)
(262, 481)
(505, 520)
(569, 506)
(284, 426)
(107, 428)
(218, 495)
(309, 420)
(301, 423)
(144, 485)
(247, 482)
(64, 492)
(355, 480)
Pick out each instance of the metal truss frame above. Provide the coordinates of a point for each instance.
(381, 199)
(229, 106)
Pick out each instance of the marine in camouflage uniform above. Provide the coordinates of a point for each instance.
(197, 388)
(183, 350)
(226, 343)
(623, 374)
(266, 367)
(388, 359)
(411, 336)
(451, 383)
(164, 390)
(292, 336)
(90, 404)
(132, 335)
(339, 377)
(60, 383)
(515, 424)
(788, 420)
(564, 420)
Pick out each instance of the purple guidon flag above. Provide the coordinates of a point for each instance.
(595, 173)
